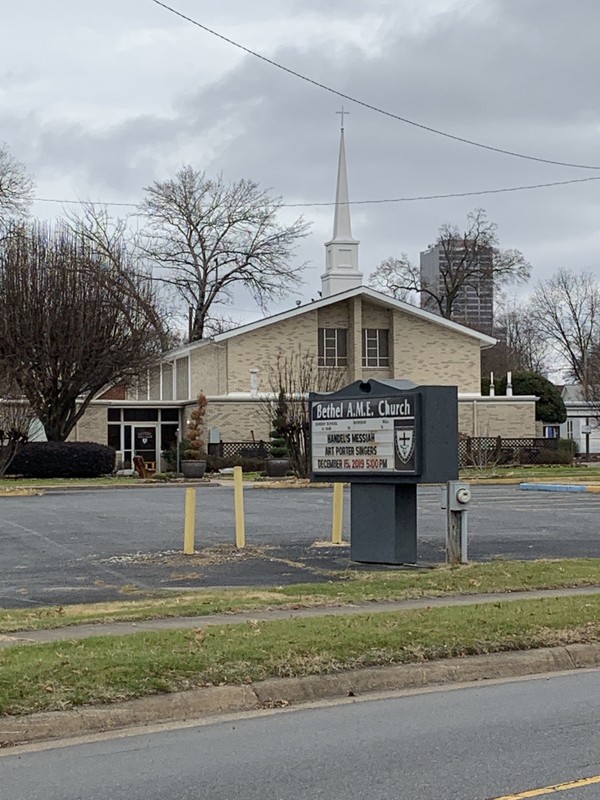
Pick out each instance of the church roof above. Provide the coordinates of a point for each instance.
(360, 291)
(572, 393)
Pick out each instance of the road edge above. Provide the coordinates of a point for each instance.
(285, 692)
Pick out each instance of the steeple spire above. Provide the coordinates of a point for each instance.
(342, 228)
(341, 270)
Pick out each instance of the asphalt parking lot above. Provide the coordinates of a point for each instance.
(89, 545)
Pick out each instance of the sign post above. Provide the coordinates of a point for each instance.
(384, 438)
(456, 497)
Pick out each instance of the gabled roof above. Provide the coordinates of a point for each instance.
(572, 393)
(364, 291)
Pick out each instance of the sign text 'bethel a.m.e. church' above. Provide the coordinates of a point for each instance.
(379, 435)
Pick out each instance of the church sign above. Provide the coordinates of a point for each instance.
(384, 437)
(384, 431)
(366, 436)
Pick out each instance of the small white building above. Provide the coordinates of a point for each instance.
(582, 420)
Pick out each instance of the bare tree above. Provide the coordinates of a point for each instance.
(15, 187)
(520, 348)
(394, 275)
(115, 243)
(71, 322)
(213, 326)
(293, 376)
(468, 259)
(16, 418)
(566, 311)
(206, 237)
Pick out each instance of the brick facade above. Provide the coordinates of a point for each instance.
(237, 420)
(259, 349)
(506, 417)
(422, 349)
(92, 427)
(511, 418)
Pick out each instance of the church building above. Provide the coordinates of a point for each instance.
(351, 328)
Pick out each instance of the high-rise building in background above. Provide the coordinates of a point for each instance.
(474, 303)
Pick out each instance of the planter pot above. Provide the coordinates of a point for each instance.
(277, 467)
(193, 469)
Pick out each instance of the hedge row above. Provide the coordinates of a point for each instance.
(215, 463)
(63, 460)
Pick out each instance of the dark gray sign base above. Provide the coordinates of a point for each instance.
(383, 527)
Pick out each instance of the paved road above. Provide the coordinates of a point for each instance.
(76, 546)
(473, 743)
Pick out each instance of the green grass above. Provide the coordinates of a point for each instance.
(355, 587)
(113, 668)
(579, 473)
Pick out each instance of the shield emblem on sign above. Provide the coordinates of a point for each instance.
(405, 443)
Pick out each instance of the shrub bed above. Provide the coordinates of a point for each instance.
(63, 460)
(546, 456)
(215, 463)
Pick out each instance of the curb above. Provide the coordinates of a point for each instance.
(491, 481)
(143, 484)
(559, 487)
(283, 692)
(283, 485)
(150, 484)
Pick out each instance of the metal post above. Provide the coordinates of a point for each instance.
(238, 491)
(337, 523)
(457, 537)
(587, 439)
(453, 537)
(189, 522)
(177, 464)
(464, 538)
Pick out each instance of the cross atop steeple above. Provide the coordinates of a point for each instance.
(342, 113)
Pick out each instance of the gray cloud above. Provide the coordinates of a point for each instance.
(516, 75)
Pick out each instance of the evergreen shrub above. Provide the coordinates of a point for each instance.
(63, 460)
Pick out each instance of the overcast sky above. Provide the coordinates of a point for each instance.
(99, 99)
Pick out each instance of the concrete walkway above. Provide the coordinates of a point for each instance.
(76, 632)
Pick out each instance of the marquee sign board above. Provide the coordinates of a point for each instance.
(379, 435)
(384, 431)
(384, 437)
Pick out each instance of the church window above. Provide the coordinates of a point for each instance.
(333, 351)
(376, 352)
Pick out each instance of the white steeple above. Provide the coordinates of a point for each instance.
(341, 266)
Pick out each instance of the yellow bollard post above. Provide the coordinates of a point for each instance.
(338, 513)
(189, 532)
(238, 492)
